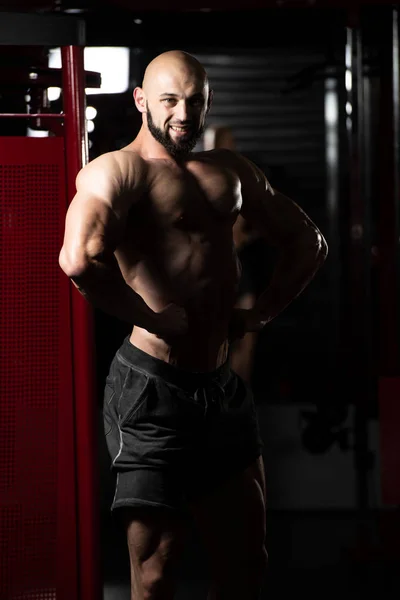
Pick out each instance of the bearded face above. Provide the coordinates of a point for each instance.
(179, 137)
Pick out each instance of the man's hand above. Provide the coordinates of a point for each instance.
(242, 321)
(171, 321)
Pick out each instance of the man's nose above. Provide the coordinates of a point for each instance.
(182, 112)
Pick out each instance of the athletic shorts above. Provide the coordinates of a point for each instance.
(175, 435)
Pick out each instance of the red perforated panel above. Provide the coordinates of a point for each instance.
(37, 492)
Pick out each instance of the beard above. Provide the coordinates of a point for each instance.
(178, 149)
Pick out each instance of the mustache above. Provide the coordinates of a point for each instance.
(182, 123)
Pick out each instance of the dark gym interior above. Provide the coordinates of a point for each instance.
(310, 92)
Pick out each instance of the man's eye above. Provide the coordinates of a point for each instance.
(168, 100)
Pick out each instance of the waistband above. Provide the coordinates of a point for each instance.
(190, 380)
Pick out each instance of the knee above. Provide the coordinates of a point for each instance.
(152, 584)
(156, 585)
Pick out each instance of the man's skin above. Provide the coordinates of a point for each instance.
(149, 239)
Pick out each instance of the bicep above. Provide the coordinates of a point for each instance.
(94, 219)
(91, 227)
(92, 230)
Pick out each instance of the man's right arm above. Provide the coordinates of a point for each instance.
(94, 226)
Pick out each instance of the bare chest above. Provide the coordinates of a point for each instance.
(199, 197)
(178, 241)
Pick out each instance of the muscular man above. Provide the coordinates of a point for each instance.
(149, 239)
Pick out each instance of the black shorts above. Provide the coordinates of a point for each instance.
(174, 435)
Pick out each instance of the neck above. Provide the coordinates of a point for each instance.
(148, 147)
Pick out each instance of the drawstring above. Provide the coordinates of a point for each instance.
(212, 398)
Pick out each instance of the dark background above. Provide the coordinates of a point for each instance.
(317, 366)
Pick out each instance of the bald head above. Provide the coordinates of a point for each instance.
(173, 63)
(174, 100)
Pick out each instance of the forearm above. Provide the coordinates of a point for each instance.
(295, 268)
(103, 285)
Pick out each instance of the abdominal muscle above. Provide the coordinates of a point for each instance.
(208, 307)
(193, 269)
(197, 355)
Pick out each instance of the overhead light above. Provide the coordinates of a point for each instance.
(331, 108)
(348, 80)
(112, 62)
(53, 93)
(91, 113)
(38, 133)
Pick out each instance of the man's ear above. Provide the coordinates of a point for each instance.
(209, 101)
(140, 99)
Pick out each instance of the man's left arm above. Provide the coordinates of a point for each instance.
(283, 224)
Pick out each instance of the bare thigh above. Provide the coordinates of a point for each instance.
(231, 521)
(155, 540)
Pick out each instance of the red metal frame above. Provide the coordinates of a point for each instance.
(83, 346)
(33, 115)
(78, 558)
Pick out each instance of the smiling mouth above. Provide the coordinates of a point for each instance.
(180, 129)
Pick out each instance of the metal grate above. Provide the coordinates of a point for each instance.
(29, 247)
(11, 544)
(37, 595)
(29, 366)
